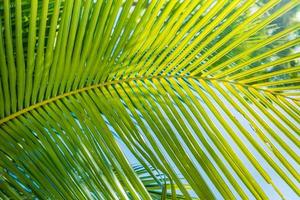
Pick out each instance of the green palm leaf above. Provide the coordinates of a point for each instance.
(149, 99)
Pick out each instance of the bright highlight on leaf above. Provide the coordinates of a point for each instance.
(149, 99)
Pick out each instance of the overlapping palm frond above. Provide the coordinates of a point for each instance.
(149, 99)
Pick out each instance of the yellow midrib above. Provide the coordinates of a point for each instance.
(37, 105)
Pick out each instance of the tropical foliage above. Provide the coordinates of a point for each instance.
(170, 99)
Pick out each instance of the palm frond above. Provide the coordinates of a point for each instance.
(149, 99)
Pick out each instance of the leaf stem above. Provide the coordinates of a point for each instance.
(113, 82)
